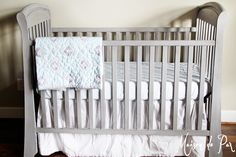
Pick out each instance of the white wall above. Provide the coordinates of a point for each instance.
(119, 13)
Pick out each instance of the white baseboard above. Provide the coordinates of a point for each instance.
(11, 112)
(18, 112)
(228, 116)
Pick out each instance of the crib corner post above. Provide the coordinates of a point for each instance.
(215, 150)
(215, 127)
(30, 138)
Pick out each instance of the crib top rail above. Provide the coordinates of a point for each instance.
(160, 43)
(124, 29)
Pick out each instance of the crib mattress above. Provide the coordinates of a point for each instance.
(144, 83)
(125, 145)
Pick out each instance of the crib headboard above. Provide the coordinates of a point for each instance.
(210, 12)
(34, 21)
(211, 19)
(209, 23)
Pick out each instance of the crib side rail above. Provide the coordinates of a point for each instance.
(132, 33)
(138, 47)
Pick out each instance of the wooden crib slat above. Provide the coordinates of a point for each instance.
(176, 87)
(211, 48)
(196, 38)
(103, 105)
(43, 29)
(29, 34)
(69, 34)
(89, 34)
(108, 48)
(33, 32)
(67, 110)
(79, 34)
(91, 109)
(201, 89)
(189, 88)
(99, 34)
(36, 31)
(202, 28)
(199, 38)
(207, 69)
(127, 72)
(38, 28)
(68, 122)
(157, 36)
(91, 100)
(49, 28)
(138, 36)
(114, 85)
(207, 50)
(163, 86)
(185, 55)
(151, 84)
(43, 107)
(139, 79)
(127, 36)
(168, 38)
(118, 36)
(46, 28)
(55, 108)
(78, 108)
(60, 34)
(146, 48)
(90, 97)
(203, 37)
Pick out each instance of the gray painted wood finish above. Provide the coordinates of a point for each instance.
(152, 44)
(32, 15)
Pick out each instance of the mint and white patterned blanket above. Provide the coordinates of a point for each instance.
(69, 62)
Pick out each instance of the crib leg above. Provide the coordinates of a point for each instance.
(215, 150)
(30, 139)
(30, 148)
(215, 131)
(30, 142)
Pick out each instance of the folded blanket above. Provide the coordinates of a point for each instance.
(69, 62)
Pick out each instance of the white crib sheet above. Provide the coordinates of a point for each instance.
(122, 145)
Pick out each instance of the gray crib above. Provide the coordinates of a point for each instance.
(199, 45)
